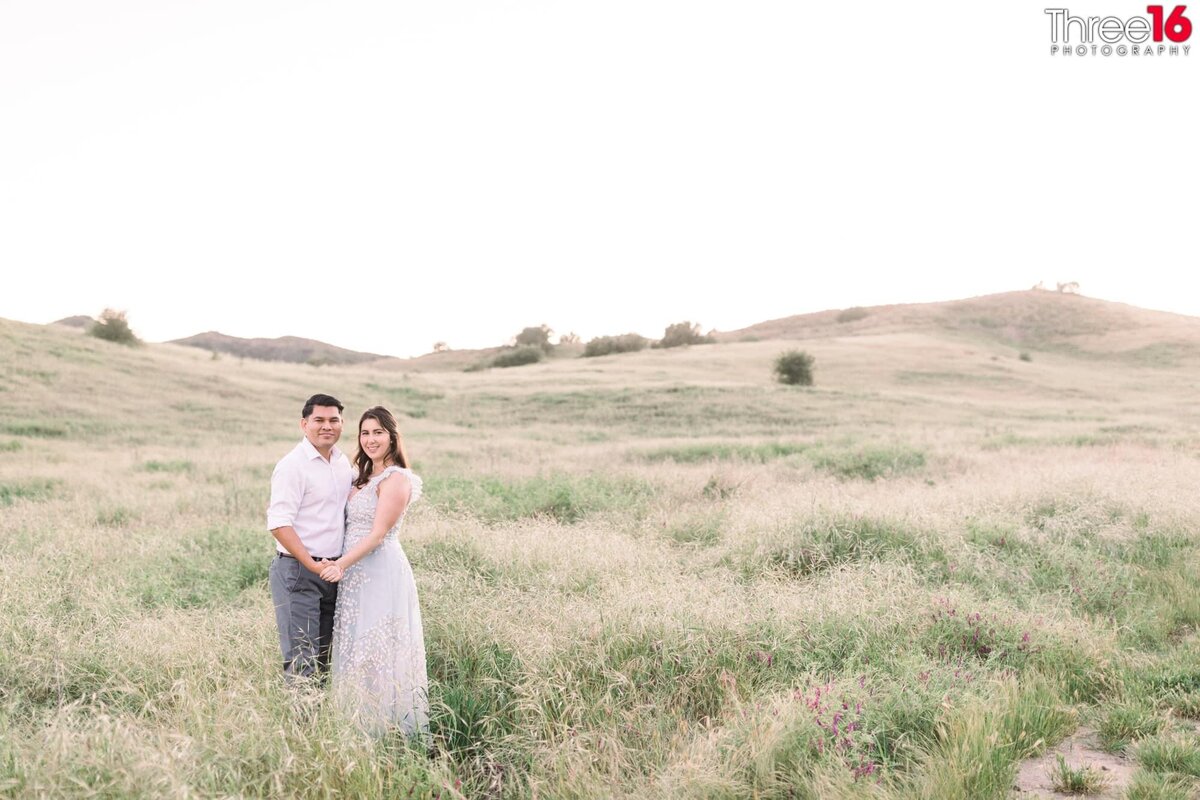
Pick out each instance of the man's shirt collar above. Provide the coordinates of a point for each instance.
(311, 452)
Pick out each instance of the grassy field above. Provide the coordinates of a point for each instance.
(646, 575)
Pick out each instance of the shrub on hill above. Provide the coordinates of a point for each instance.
(518, 356)
(113, 327)
(534, 337)
(851, 314)
(794, 367)
(606, 345)
(683, 333)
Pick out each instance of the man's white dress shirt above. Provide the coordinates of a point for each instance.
(309, 494)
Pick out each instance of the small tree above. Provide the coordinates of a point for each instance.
(440, 347)
(113, 327)
(794, 367)
(683, 333)
(534, 337)
(569, 338)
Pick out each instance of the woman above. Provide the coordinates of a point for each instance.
(378, 643)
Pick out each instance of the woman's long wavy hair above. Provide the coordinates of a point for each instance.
(395, 450)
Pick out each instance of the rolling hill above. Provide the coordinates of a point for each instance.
(1034, 320)
(1027, 320)
(77, 321)
(292, 349)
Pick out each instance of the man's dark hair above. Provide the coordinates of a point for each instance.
(320, 400)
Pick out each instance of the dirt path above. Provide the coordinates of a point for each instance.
(1078, 750)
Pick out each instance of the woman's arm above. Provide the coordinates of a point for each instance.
(394, 493)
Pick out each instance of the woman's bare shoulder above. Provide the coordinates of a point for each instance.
(396, 483)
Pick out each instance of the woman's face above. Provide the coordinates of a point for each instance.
(373, 438)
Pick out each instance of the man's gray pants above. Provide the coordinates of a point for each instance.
(304, 614)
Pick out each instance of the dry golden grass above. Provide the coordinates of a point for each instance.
(635, 570)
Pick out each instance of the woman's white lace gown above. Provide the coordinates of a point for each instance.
(379, 674)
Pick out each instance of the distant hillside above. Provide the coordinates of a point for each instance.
(1035, 319)
(445, 361)
(292, 349)
(78, 321)
(459, 360)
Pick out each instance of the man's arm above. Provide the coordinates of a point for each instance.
(286, 535)
(287, 490)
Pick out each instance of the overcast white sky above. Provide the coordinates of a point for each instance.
(384, 175)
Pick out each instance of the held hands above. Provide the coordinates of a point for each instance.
(331, 571)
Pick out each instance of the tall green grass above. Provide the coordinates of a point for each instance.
(211, 567)
(33, 489)
(868, 462)
(808, 546)
(563, 498)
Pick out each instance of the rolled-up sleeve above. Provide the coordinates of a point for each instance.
(287, 490)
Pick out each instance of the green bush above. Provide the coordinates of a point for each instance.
(684, 333)
(113, 327)
(795, 367)
(534, 337)
(851, 314)
(605, 345)
(518, 356)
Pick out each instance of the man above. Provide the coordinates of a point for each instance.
(307, 518)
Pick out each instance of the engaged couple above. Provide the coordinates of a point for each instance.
(345, 599)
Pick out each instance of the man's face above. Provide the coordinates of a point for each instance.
(323, 427)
